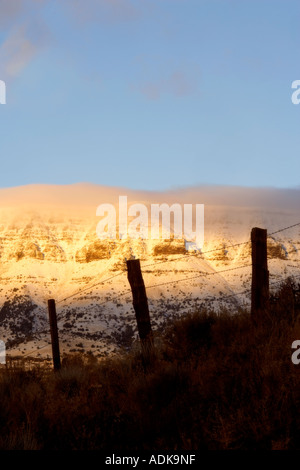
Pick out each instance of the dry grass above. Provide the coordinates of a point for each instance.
(218, 383)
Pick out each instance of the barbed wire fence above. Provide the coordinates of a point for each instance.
(186, 256)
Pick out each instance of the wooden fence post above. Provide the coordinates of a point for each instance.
(260, 276)
(140, 305)
(54, 334)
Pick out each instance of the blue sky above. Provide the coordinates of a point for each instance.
(150, 94)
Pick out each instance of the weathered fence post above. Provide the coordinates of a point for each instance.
(54, 334)
(260, 276)
(140, 305)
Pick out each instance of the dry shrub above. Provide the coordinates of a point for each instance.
(218, 382)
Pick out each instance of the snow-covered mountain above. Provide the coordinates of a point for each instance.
(49, 248)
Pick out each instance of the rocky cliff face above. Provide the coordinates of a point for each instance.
(49, 249)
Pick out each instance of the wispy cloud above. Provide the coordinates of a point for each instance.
(157, 76)
(177, 84)
(15, 53)
(25, 33)
(9, 11)
(12, 10)
(20, 46)
(102, 10)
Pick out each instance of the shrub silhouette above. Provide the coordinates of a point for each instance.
(218, 382)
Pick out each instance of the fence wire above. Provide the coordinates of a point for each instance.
(188, 278)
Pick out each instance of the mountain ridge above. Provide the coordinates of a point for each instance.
(49, 249)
